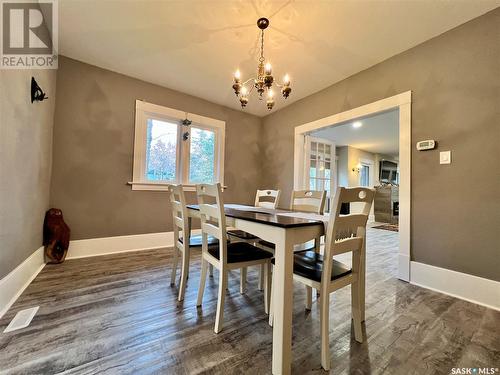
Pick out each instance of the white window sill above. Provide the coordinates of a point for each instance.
(160, 186)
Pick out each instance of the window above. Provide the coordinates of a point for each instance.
(366, 172)
(170, 150)
(364, 176)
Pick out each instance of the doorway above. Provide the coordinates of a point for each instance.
(401, 103)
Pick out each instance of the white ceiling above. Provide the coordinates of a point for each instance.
(195, 46)
(378, 134)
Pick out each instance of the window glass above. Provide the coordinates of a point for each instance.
(312, 184)
(161, 150)
(202, 156)
(364, 179)
(327, 185)
(312, 169)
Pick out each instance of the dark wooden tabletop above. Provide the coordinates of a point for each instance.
(265, 217)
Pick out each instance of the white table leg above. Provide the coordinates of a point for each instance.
(283, 306)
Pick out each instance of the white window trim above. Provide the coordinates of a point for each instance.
(142, 109)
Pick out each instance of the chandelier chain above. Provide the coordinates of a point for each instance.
(261, 58)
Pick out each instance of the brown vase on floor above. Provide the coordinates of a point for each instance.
(55, 236)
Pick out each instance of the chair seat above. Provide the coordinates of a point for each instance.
(309, 264)
(196, 240)
(241, 234)
(241, 252)
(310, 245)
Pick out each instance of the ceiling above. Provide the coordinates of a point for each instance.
(378, 134)
(195, 46)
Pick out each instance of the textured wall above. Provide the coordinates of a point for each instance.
(456, 95)
(25, 163)
(93, 152)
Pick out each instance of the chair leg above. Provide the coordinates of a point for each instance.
(203, 278)
(184, 273)
(174, 266)
(220, 301)
(317, 245)
(356, 312)
(262, 273)
(308, 297)
(267, 286)
(325, 337)
(211, 270)
(243, 280)
(271, 315)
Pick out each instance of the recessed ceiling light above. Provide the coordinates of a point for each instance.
(357, 124)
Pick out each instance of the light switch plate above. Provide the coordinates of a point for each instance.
(445, 157)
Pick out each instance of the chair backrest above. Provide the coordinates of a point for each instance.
(347, 233)
(213, 219)
(308, 201)
(179, 215)
(267, 198)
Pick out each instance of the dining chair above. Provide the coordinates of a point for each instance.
(226, 256)
(265, 199)
(310, 201)
(184, 242)
(344, 234)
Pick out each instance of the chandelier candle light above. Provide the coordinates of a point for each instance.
(264, 80)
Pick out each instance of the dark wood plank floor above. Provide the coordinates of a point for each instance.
(118, 315)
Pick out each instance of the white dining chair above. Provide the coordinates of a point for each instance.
(227, 256)
(184, 242)
(344, 234)
(265, 199)
(308, 201)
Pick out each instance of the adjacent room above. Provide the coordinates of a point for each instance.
(249, 187)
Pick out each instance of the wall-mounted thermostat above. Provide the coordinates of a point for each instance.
(426, 145)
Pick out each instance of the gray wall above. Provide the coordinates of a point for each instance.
(25, 163)
(456, 97)
(93, 152)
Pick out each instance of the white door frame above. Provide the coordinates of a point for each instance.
(403, 103)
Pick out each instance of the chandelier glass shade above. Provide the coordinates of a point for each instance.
(264, 81)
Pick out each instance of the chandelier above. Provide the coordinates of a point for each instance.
(264, 80)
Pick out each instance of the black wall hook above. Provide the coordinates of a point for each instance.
(36, 92)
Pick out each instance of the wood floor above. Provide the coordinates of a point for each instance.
(118, 315)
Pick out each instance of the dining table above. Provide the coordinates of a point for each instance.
(284, 229)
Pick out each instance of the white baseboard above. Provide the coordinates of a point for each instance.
(13, 285)
(403, 267)
(119, 244)
(470, 288)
